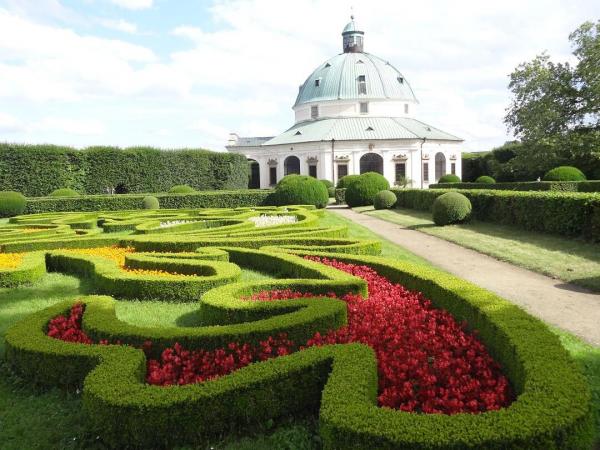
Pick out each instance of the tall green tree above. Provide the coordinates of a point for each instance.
(555, 110)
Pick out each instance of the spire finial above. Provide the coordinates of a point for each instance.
(351, 12)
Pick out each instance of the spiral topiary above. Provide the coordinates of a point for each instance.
(564, 173)
(345, 181)
(182, 189)
(150, 202)
(384, 200)
(301, 190)
(485, 179)
(451, 207)
(449, 178)
(361, 191)
(64, 192)
(12, 203)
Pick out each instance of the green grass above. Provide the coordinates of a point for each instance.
(42, 419)
(571, 260)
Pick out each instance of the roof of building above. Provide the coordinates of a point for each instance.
(351, 27)
(252, 141)
(360, 128)
(338, 80)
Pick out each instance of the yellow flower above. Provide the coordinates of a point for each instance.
(10, 260)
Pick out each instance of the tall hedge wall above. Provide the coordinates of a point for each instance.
(36, 170)
(561, 186)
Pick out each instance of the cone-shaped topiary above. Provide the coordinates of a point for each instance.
(301, 190)
(384, 200)
(451, 207)
(12, 203)
(564, 173)
(64, 192)
(362, 190)
(345, 181)
(449, 178)
(150, 202)
(182, 189)
(485, 179)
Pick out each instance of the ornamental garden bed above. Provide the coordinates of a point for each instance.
(387, 354)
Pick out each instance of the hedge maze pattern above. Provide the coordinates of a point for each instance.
(199, 255)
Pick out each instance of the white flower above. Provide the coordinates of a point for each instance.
(172, 223)
(271, 221)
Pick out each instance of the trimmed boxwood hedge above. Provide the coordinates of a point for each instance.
(552, 408)
(567, 186)
(564, 213)
(31, 269)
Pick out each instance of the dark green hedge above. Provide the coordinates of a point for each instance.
(565, 213)
(218, 199)
(37, 170)
(564, 186)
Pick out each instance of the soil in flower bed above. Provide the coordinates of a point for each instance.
(427, 362)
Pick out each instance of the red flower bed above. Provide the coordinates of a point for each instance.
(427, 362)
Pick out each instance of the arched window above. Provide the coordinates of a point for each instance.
(254, 174)
(440, 165)
(291, 165)
(371, 162)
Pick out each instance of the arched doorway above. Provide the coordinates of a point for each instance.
(371, 162)
(291, 165)
(440, 165)
(253, 174)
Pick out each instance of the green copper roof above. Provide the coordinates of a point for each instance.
(338, 79)
(360, 128)
(350, 27)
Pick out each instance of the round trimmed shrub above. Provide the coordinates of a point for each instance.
(344, 182)
(384, 200)
(150, 202)
(565, 173)
(327, 183)
(485, 179)
(361, 191)
(331, 192)
(12, 203)
(301, 190)
(451, 207)
(182, 189)
(449, 178)
(64, 192)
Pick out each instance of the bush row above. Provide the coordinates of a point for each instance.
(220, 199)
(552, 407)
(37, 170)
(568, 214)
(565, 186)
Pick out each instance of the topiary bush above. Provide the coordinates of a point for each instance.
(182, 189)
(344, 182)
(301, 190)
(327, 183)
(564, 173)
(451, 207)
(361, 191)
(449, 178)
(485, 179)
(150, 202)
(331, 192)
(12, 203)
(384, 200)
(64, 192)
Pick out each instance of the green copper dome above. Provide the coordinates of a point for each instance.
(355, 76)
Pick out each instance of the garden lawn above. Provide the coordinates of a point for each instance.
(34, 419)
(571, 260)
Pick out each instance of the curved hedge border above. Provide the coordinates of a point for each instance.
(552, 410)
(31, 269)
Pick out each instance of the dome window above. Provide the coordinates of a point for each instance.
(406, 108)
(364, 107)
(362, 85)
(314, 112)
(360, 61)
(369, 129)
(317, 82)
(298, 133)
(327, 65)
(400, 80)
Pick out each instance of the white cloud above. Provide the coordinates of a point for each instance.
(83, 127)
(119, 25)
(9, 124)
(133, 4)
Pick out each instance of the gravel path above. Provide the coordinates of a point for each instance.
(570, 307)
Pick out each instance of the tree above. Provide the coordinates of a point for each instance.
(555, 110)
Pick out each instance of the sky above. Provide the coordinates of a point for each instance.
(186, 73)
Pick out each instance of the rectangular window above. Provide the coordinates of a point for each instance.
(342, 170)
(406, 108)
(364, 107)
(317, 82)
(362, 85)
(314, 111)
(272, 176)
(453, 168)
(426, 172)
(400, 171)
(312, 171)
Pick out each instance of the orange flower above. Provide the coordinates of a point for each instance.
(10, 260)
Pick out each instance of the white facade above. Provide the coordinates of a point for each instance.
(354, 113)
